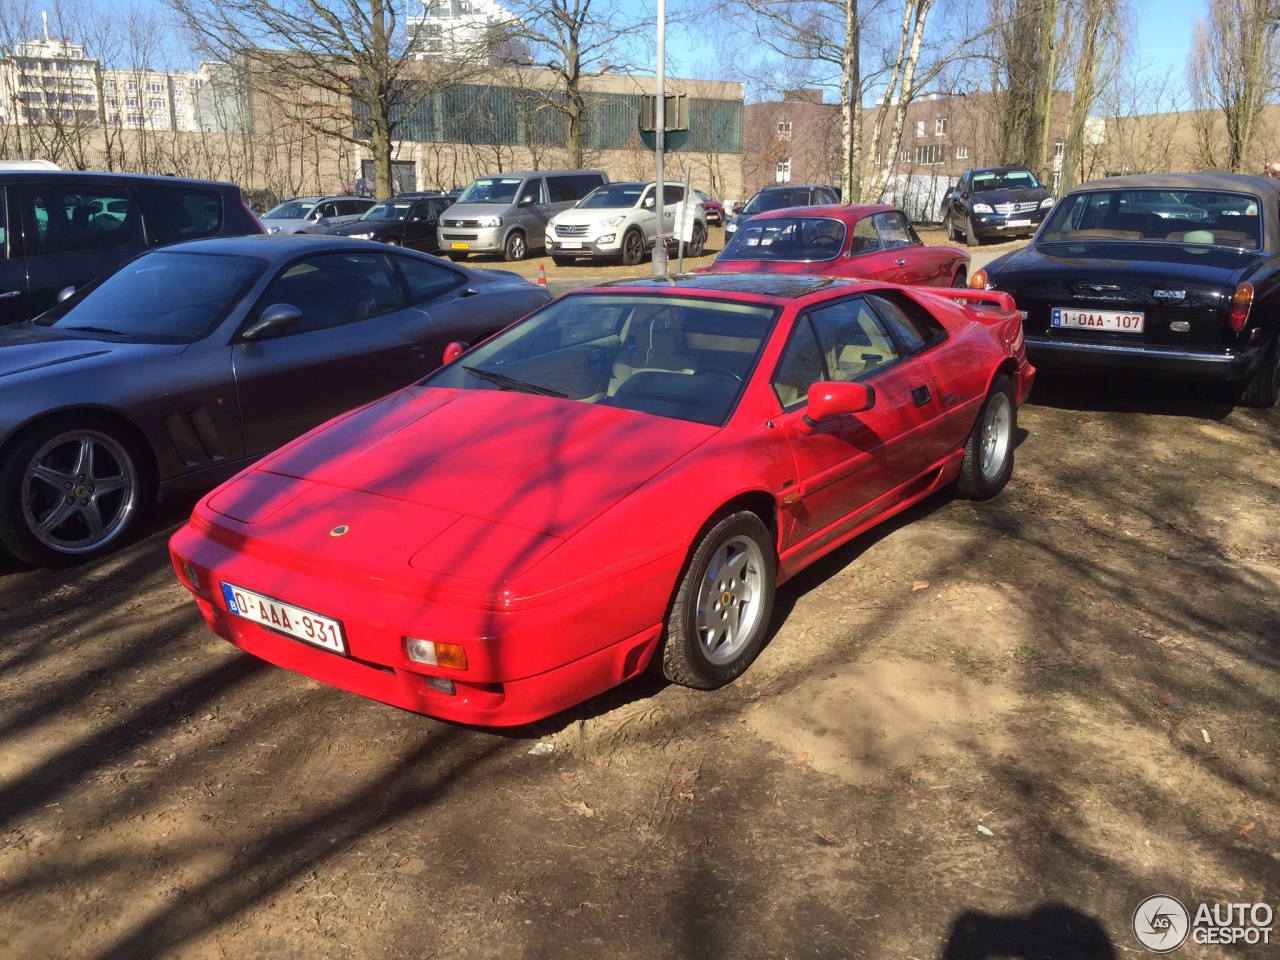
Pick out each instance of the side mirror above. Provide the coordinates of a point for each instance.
(454, 350)
(275, 317)
(649, 203)
(828, 400)
(527, 200)
(65, 292)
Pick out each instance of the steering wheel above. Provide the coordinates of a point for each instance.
(825, 241)
(719, 371)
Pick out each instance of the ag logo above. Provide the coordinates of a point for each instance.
(1161, 924)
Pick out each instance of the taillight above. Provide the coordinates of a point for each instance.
(978, 281)
(1241, 301)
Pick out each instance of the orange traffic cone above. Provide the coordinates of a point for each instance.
(542, 275)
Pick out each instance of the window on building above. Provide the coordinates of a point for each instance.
(919, 128)
(962, 153)
(782, 174)
(156, 103)
(905, 156)
(132, 102)
(131, 86)
(929, 154)
(877, 158)
(155, 86)
(940, 126)
(784, 129)
(1059, 148)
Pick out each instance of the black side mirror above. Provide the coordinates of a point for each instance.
(65, 292)
(275, 317)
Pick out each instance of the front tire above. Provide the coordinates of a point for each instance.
(393, 242)
(516, 247)
(951, 230)
(960, 279)
(1263, 388)
(632, 248)
(720, 612)
(988, 453)
(69, 492)
(970, 238)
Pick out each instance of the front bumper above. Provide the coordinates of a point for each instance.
(1008, 225)
(1180, 364)
(608, 245)
(471, 239)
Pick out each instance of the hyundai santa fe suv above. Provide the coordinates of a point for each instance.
(620, 221)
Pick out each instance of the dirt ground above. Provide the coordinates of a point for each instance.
(985, 730)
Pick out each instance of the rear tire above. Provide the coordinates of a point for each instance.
(694, 249)
(1263, 388)
(720, 612)
(988, 453)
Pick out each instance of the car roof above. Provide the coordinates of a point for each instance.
(278, 247)
(794, 186)
(96, 175)
(848, 212)
(776, 288)
(1212, 180)
(1008, 169)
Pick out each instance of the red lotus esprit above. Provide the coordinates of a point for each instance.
(870, 241)
(622, 477)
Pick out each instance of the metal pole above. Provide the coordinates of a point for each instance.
(660, 137)
(685, 213)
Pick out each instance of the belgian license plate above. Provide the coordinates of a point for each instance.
(459, 246)
(1017, 223)
(1114, 321)
(571, 245)
(296, 622)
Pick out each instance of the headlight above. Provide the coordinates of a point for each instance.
(612, 221)
(489, 222)
(1046, 203)
(982, 208)
(362, 236)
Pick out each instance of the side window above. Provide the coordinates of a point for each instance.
(349, 208)
(866, 239)
(908, 323)
(853, 339)
(333, 290)
(562, 189)
(182, 213)
(329, 209)
(800, 367)
(894, 231)
(426, 281)
(534, 192)
(672, 194)
(70, 220)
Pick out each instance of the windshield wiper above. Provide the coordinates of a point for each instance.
(511, 383)
(114, 333)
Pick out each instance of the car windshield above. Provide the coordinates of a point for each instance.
(613, 196)
(387, 210)
(1004, 180)
(161, 297)
(786, 238)
(1198, 218)
(290, 210)
(491, 190)
(663, 354)
(776, 200)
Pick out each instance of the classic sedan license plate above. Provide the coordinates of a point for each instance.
(285, 618)
(1115, 321)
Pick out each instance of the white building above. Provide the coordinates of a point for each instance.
(49, 81)
(453, 29)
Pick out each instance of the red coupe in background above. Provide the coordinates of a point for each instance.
(620, 479)
(869, 241)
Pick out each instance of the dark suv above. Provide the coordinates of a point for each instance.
(775, 198)
(995, 202)
(62, 229)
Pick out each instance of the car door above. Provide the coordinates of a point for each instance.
(535, 211)
(68, 241)
(420, 225)
(959, 205)
(866, 256)
(672, 194)
(912, 261)
(846, 466)
(13, 267)
(350, 346)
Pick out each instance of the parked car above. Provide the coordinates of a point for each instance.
(859, 240)
(620, 221)
(190, 361)
(995, 202)
(622, 478)
(507, 213)
(409, 220)
(714, 208)
(314, 214)
(1111, 282)
(62, 229)
(775, 198)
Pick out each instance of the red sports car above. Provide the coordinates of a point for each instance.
(620, 479)
(860, 240)
(714, 208)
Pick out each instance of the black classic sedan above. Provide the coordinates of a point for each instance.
(189, 361)
(409, 220)
(995, 202)
(1173, 274)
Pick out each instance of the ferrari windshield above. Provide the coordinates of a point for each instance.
(803, 239)
(162, 297)
(1199, 217)
(663, 354)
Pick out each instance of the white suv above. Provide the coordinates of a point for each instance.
(618, 220)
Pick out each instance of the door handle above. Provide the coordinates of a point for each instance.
(920, 395)
(901, 263)
(10, 294)
(417, 351)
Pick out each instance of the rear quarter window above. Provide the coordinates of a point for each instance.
(572, 187)
(184, 213)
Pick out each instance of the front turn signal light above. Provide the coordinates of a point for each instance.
(1241, 302)
(436, 654)
(979, 280)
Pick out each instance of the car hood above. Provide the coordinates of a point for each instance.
(460, 483)
(375, 227)
(25, 349)
(593, 215)
(1009, 196)
(1039, 269)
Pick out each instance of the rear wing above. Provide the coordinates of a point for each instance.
(984, 304)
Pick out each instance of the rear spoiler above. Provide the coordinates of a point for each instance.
(989, 301)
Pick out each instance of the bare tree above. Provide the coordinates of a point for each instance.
(1233, 69)
(1098, 43)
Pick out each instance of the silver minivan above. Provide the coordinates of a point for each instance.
(507, 213)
